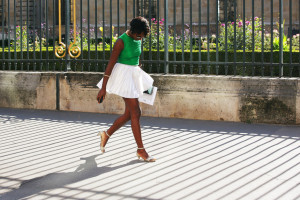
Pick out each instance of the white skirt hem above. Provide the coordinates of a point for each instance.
(127, 81)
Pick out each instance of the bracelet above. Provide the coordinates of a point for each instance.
(106, 75)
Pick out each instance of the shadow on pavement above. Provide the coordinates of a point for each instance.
(58, 180)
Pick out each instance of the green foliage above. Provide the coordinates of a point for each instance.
(253, 37)
(178, 40)
(99, 60)
(22, 38)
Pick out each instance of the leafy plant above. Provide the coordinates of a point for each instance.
(240, 40)
(21, 38)
(157, 37)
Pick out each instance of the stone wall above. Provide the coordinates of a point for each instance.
(220, 98)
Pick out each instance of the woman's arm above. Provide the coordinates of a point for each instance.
(118, 47)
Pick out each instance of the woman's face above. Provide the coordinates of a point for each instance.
(138, 36)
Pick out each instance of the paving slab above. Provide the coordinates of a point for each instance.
(56, 155)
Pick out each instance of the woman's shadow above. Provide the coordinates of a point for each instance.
(84, 171)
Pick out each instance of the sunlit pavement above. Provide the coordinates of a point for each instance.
(55, 155)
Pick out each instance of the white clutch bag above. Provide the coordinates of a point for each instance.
(148, 98)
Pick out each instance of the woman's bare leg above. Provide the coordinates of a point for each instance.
(118, 123)
(135, 113)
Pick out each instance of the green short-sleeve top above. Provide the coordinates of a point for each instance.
(130, 55)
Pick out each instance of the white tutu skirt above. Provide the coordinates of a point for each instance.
(127, 81)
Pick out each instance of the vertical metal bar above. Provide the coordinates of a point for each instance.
(217, 36)
(150, 35)
(253, 40)
(118, 8)
(200, 35)
(174, 35)
(59, 30)
(142, 6)
(262, 37)
(21, 35)
(125, 15)
(166, 68)
(208, 33)
(9, 32)
(110, 29)
(57, 92)
(244, 37)
(281, 38)
(142, 14)
(235, 42)
(34, 39)
(53, 34)
(226, 38)
(158, 34)
(103, 33)
(67, 37)
(28, 35)
(47, 35)
(182, 36)
(133, 8)
(89, 37)
(81, 36)
(299, 39)
(272, 37)
(96, 33)
(40, 25)
(3, 54)
(291, 37)
(15, 36)
(191, 36)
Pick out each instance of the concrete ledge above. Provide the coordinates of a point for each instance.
(220, 98)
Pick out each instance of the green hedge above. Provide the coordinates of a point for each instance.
(85, 65)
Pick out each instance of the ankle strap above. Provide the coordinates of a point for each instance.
(106, 133)
(141, 148)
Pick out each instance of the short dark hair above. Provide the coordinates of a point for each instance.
(140, 25)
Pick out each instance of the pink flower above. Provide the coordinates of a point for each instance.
(223, 25)
(255, 18)
(232, 23)
(153, 19)
(240, 24)
(162, 19)
(247, 23)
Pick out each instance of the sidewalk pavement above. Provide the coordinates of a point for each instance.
(56, 155)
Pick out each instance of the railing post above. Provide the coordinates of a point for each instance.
(67, 32)
(166, 60)
(208, 33)
(281, 38)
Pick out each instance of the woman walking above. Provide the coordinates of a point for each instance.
(124, 77)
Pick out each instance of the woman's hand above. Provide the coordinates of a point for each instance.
(101, 95)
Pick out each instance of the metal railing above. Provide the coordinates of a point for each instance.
(194, 37)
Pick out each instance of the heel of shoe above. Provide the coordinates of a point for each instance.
(102, 148)
(149, 159)
(138, 155)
